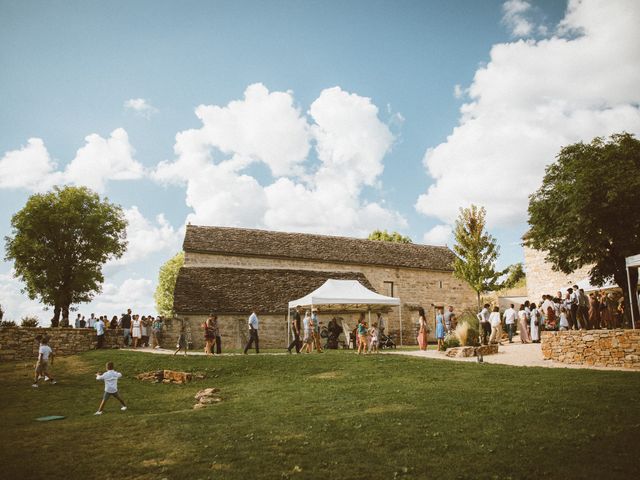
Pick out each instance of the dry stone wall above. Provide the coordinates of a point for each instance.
(542, 279)
(415, 287)
(600, 348)
(20, 343)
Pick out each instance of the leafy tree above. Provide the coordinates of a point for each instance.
(515, 276)
(384, 236)
(60, 240)
(167, 283)
(587, 211)
(476, 252)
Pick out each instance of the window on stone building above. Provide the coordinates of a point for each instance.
(440, 283)
(388, 289)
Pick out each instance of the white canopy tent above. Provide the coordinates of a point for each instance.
(348, 295)
(632, 262)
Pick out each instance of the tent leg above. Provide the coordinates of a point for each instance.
(400, 324)
(632, 298)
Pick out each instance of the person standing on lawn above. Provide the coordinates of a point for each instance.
(110, 378)
(317, 341)
(423, 329)
(535, 324)
(99, 326)
(496, 326)
(362, 335)
(510, 321)
(295, 329)
(254, 324)
(45, 357)
(381, 323)
(136, 330)
(209, 335)
(308, 331)
(182, 339)
(374, 333)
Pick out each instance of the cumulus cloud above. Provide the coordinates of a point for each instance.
(134, 293)
(140, 107)
(146, 237)
(438, 235)
(16, 304)
(305, 193)
(515, 19)
(97, 162)
(532, 98)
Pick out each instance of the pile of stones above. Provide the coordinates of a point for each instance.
(472, 351)
(169, 376)
(206, 397)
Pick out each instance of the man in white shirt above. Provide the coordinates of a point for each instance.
(77, 323)
(254, 324)
(99, 326)
(485, 326)
(45, 357)
(509, 316)
(91, 323)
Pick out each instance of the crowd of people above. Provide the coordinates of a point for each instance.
(138, 331)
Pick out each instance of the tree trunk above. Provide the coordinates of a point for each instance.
(65, 315)
(55, 321)
(630, 303)
(478, 294)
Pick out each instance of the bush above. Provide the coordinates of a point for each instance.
(473, 327)
(29, 322)
(451, 341)
(7, 323)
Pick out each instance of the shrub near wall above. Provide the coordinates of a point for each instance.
(601, 348)
(20, 343)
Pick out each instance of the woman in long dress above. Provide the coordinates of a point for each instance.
(440, 329)
(136, 330)
(422, 332)
(522, 325)
(535, 324)
(594, 311)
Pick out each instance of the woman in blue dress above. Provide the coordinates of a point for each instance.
(440, 328)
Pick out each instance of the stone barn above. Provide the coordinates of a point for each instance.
(230, 271)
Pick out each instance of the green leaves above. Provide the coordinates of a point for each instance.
(166, 284)
(384, 236)
(59, 242)
(476, 251)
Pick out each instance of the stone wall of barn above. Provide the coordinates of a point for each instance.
(21, 343)
(415, 287)
(542, 279)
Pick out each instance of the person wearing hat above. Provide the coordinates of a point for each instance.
(316, 330)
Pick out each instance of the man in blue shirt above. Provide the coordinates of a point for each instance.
(253, 332)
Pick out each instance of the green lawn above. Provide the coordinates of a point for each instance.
(335, 415)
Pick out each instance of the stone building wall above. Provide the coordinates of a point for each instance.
(542, 279)
(20, 343)
(415, 287)
(600, 348)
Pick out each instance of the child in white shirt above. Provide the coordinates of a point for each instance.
(45, 357)
(110, 378)
(564, 322)
(373, 338)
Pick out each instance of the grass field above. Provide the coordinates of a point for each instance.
(335, 415)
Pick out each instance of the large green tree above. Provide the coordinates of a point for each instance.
(587, 211)
(167, 284)
(60, 241)
(384, 236)
(476, 252)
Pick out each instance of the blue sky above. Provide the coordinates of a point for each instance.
(345, 116)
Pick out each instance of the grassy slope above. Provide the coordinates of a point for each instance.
(336, 415)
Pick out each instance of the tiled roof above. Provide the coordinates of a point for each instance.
(262, 243)
(201, 290)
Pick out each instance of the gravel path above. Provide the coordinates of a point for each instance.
(516, 354)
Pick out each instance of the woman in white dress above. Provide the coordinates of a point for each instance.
(136, 330)
(535, 324)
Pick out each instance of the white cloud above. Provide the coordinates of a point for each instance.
(97, 162)
(530, 100)
(146, 237)
(304, 194)
(134, 293)
(16, 304)
(140, 106)
(514, 17)
(458, 91)
(438, 235)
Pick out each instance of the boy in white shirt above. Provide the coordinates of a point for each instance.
(45, 356)
(110, 378)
